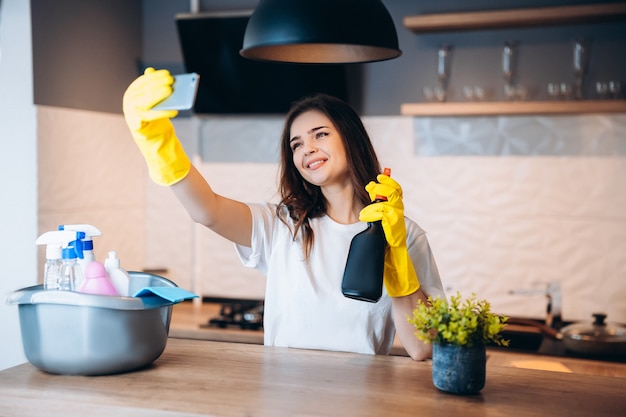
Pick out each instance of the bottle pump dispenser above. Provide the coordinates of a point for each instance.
(119, 277)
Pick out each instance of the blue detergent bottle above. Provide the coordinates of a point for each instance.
(71, 276)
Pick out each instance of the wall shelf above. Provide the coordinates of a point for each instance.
(514, 18)
(513, 108)
(528, 17)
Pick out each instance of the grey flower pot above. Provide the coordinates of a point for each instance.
(459, 369)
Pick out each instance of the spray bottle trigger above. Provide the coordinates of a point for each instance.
(79, 244)
(379, 198)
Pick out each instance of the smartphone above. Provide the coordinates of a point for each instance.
(184, 95)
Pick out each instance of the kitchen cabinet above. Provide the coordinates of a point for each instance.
(514, 18)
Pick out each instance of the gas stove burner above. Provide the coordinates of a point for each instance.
(246, 314)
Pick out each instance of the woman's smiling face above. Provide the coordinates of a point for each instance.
(317, 148)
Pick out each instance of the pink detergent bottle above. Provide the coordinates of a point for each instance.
(97, 280)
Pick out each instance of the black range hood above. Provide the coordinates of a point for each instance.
(231, 84)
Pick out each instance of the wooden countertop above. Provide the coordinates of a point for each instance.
(189, 321)
(202, 378)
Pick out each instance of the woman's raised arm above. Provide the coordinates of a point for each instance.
(168, 163)
(229, 218)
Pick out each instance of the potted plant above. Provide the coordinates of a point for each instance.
(459, 330)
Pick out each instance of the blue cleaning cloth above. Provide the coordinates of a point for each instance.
(173, 294)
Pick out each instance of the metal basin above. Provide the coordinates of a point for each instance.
(73, 333)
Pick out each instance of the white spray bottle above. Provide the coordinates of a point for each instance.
(88, 252)
(61, 254)
(119, 277)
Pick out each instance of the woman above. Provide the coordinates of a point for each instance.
(328, 165)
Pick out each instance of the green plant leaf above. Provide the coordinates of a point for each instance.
(458, 322)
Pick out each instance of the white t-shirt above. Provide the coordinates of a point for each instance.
(304, 306)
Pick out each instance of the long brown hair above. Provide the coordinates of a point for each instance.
(305, 200)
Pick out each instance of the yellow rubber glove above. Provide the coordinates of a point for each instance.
(152, 129)
(399, 276)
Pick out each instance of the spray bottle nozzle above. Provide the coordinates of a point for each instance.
(59, 237)
(379, 198)
(70, 241)
(86, 243)
(77, 246)
(87, 229)
(74, 248)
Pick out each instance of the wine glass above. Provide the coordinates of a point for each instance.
(581, 60)
(615, 88)
(443, 69)
(508, 56)
(602, 89)
(567, 91)
(554, 90)
(508, 68)
(428, 93)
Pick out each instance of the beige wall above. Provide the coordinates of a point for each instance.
(89, 171)
(508, 203)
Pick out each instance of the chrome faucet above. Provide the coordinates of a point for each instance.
(554, 317)
(554, 305)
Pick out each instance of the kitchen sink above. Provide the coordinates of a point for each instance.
(523, 338)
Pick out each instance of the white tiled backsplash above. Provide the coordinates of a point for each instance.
(507, 202)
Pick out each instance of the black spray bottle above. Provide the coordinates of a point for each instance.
(363, 275)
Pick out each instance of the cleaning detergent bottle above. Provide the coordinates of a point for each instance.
(97, 280)
(87, 243)
(365, 266)
(55, 240)
(119, 277)
(52, 267)
(71, 272)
